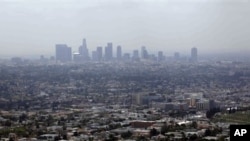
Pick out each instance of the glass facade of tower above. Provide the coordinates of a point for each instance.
(63, 53)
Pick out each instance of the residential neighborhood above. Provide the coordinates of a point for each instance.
(123, 100)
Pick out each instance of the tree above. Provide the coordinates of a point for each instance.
(22, 117)
(153, 132)
(7, 123)
(183, 136)
(112, 138)
(207, 132)
(141, 138)
(65, 137)
(193, 137)
(222, 138)
(50, 120)
(126, 135)
(91, 138)
(194, 124)
(212, 112)
(216, 131)
(164, 129)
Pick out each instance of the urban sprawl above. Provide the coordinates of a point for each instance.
(137, 97)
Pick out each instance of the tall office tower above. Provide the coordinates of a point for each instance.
(106, 53)
(83, 50)
(144, 53)
(42, 58)
(194, 54)
(63, 53)
(99, 53)
(135, 56)
(160, 56)
(152, 57)
(94, 56)
(126, 57)
(109, 52)
(176, 55)
(119, 52)
(77, 57)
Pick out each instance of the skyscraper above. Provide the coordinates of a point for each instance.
(83, 50)
(126, 57)
(194, 54)
(109, 52)
(63, 53)
(94, 56)
(135, 56)
(77, 57)
(144, 53)
(119, 53)
(176, 55)
(99, 53)
(160, 56)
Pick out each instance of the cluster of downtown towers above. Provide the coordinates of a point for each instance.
(64, 54)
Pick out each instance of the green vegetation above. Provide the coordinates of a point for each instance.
(20, 131)
(242, 117)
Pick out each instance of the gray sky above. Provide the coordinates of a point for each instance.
(213, 26)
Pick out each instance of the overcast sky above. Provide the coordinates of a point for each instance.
(213, 26)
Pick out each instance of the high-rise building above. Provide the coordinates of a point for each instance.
(109, 52)
(160, 56)
(63, 53)
(177, 56)
(42, 58)
(194, 54)
(119, 53)
(77, 57)
(83, 50)
(144, 53)
(99, 53)
(135, 56)
(126, 57)
(152, 57)
(94, 56)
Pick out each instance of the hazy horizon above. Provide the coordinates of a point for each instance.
(31, 27)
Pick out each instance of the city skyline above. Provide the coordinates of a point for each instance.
(63, 53)
(215, 27)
